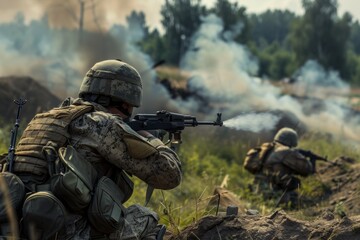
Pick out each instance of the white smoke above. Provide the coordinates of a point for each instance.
(313, 80)
(59, 60)
(255, 122)
(224, 72)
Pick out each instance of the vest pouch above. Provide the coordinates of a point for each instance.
(106, 212)
(75, 186)
(43, 215)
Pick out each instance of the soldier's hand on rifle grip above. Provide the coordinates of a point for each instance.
(177, 138)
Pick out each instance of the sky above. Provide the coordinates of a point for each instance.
(117, 10)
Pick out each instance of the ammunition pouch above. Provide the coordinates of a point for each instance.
(75, 186)
(43, 215)
(106, 212)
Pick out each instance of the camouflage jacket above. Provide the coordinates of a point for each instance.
(284, 160)
(106, 141)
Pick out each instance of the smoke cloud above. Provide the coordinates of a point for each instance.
(254, 122)
(60, 57)
(225, 72)
(98, 14)
(313, 80)
(53, 50)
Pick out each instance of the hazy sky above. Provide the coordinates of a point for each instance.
(117, 10)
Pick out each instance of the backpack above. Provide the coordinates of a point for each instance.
(256, 157)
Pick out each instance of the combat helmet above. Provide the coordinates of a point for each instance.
(112, 81)
(287, 136)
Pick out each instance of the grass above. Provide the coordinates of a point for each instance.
(207, 158)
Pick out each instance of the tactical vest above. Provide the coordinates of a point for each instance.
(44, 127)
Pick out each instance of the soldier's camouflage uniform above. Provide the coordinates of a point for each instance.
(279, 169)
(99, 137)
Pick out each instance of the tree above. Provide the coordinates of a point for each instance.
(355, 37)
(321, 35)
(75, 11)
(234, 19)
(180, 19)
(137, 24)
(153, 45)
(271, 26)
(275, 62)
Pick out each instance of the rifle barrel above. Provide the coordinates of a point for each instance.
(208, 123)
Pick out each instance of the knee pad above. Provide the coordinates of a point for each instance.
(43, 215)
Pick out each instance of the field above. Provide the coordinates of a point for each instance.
(207, 159)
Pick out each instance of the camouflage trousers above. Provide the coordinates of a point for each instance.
(140, 223)
(288, 197)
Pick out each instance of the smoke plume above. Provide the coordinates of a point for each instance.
(60, 57)
(254, 122)
(225, 72)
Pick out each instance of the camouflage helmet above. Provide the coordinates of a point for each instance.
(287, 136)
(115, 80)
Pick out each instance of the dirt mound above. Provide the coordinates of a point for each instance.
(334, 214)
(39, 98)
(278, 226)
(342, 180)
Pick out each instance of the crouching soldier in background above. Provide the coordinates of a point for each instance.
(75, 162)
(276, 164)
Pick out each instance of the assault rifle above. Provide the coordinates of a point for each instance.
(11, 154)
(173, 123)
(314, 157)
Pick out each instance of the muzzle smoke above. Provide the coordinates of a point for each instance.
(254, 122)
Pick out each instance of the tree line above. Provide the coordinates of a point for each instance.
(281, 40)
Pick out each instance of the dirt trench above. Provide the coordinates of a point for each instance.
(334, 215)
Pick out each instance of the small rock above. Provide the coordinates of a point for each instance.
(328, 215)
(343, 198)
(252, 212)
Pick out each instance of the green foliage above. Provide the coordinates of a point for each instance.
(271, 26)
(355, 37)
(275, 61)
(180, 19)
(153, 44)
(234, 19)
(281, 40)
(207, 156)
(354, 68)
(320, 35)
(137, 23)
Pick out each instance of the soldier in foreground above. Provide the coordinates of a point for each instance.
(276, 165)
(75, 163)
